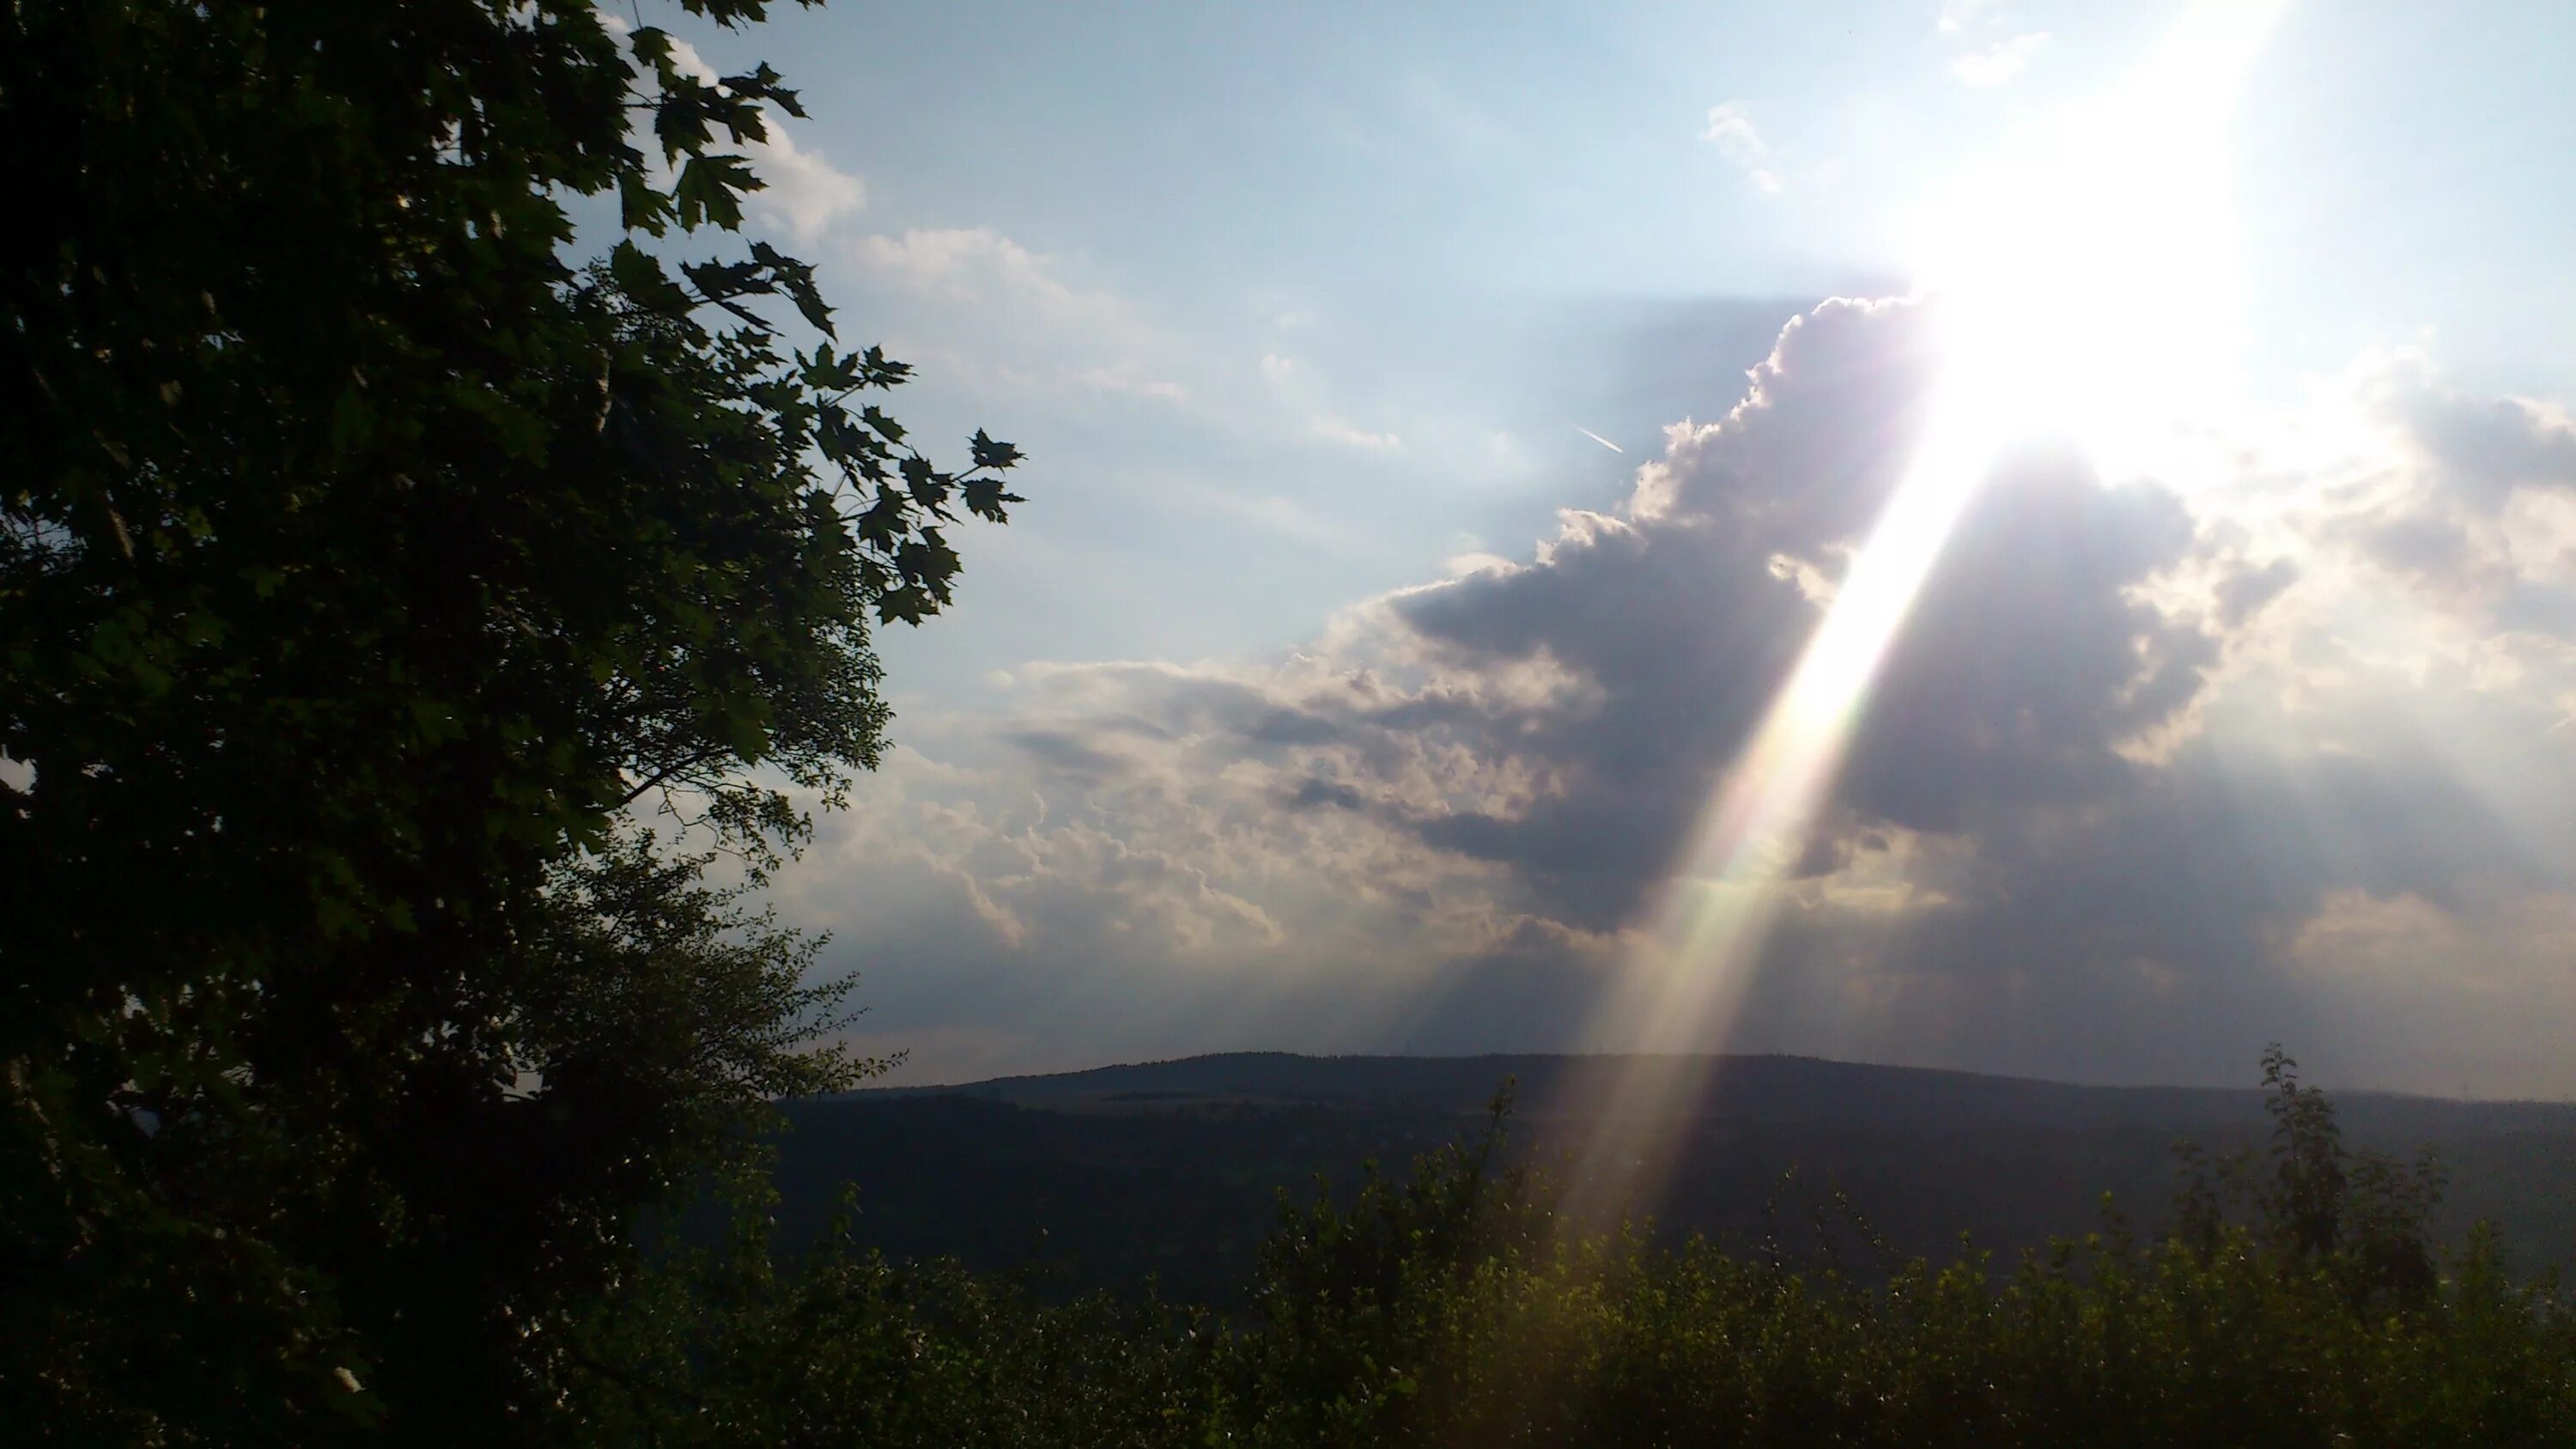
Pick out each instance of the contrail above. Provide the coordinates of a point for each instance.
(1596, 437)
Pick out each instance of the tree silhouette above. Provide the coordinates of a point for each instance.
(362, 562)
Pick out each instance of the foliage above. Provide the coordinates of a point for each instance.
(2359, 1217)
(719, 1346)
(1451, 1308)
(362, 561)
(1340, 1345)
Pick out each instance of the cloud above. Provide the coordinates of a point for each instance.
(2144, 780)
(980, 309)
(2000, 63)
(1730, 129)
(1125, 379)
(805, 194)
(1294, 385)
(1031, 325)
(2027, 664)
(802, 194)
(1336, 430)
(2468, 502)
(975, 262)
(1957, 15)
(2242, 594)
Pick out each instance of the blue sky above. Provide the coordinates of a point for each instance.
(1489, 222)
(1299, 312)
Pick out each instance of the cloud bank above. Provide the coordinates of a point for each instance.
(2150, 776)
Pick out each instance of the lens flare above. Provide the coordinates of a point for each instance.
(2080, 287)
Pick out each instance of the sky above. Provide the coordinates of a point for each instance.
(2038, 538)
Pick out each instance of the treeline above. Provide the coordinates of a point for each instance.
(2293, 1299)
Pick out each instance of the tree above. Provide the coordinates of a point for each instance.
(2361, 1218)
(363, 564)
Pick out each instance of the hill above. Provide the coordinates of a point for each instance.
(1173, 1169)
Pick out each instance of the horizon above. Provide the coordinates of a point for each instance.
(2245, 1088)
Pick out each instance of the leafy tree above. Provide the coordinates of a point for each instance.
(363, 563)
(2360, 1217)
(1343, 1290)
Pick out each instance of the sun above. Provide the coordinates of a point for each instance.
(2085, 279)
(2083, 288)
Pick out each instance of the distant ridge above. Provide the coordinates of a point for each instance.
(1769, 1087)
(1173, 1168)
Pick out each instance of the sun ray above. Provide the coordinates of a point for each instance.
(2077, 288)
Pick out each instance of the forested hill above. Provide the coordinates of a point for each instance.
(1098, 1178)
(1749, 1088)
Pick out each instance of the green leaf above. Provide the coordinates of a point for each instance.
(989, 453)
(642, 279)
(640, 206)
(710, 189)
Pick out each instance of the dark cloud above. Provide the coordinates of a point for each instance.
(1433, 828)
(2487, 447)
(1067, 754)
(2242, 594)
(1684, 633)
(2445, 520)
(2419, 543)
(2027, 660)
(2024, 665)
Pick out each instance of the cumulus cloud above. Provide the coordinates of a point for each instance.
(2468, 502)
(804, 194)
(2144, 780)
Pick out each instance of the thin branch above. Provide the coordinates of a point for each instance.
(663, 775)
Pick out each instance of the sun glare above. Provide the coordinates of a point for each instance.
(2086, 276)
(2083, 288)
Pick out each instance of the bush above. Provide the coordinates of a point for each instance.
(2299, 1307)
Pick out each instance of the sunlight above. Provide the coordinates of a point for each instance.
(2087, 276)
(2084, 289)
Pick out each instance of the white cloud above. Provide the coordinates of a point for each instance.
(2000, 63)
(1342, 432)
(806, 193)
(1127, 380)
(1732, 132)
(1958, 15)
(1295, 388)
(976, 262)
(1031, 329)
(803, 193)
